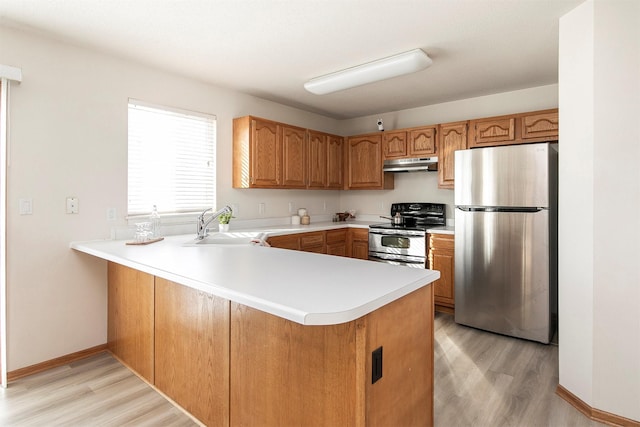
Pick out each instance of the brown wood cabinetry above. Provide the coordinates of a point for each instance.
(422, 141)
(351, 242)
(358, 243)
(257, 153)
(535, 126)
(453, 137)
(394, 145)
(192, 338)
(441, 258)
(294, 157)
(411, 142)
(322, 375)
(364, 164)
(130, 309)
(336, 242)
(326, 161)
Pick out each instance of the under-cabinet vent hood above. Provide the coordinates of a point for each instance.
(420, 164)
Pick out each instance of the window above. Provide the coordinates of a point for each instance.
(171, 159)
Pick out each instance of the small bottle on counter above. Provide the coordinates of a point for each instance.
(155, 223)
(305, 220)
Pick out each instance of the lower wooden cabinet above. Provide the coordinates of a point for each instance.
(231, 365)
(351, 242)
(358, 243)
(441, 258)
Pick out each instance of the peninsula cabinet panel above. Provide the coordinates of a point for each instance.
(364, 169)
(130, 318)
(422, 141)
(192, 361)
(285, 374)
(294, 151)
(257, 153)
(453, 137)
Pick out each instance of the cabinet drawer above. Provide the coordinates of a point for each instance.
(311, 240)
(336, 236)
(441, 241)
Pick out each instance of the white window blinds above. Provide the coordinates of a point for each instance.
(171, 160)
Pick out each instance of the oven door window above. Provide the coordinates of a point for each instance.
(395, 242)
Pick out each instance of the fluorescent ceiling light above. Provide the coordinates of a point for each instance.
(381, 69)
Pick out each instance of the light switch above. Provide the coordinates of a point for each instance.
(72, 205)
(26, 206)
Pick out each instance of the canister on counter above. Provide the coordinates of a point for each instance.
(305, 220)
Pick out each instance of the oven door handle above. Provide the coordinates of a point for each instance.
(404, 260)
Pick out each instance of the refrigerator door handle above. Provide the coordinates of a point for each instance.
(499, 209)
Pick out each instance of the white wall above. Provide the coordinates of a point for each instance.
(69, 138)
(423, 187)
(599, 276)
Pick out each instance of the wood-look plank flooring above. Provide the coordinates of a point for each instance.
(96, 391)
(485, 379)
(481, 379)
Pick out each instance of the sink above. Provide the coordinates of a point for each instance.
(230, 238)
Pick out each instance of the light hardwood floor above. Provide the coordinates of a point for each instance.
(97, 391)
(484, 379)
(481, 379)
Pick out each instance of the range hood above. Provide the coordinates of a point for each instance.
(418, 164)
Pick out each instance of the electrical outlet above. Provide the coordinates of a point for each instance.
(26, 206)
(324, 206)
(292, 207)
(262, 207)
(236, 209)
(72, 205)
(112, 214)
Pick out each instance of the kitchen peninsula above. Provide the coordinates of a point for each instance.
(252, 335)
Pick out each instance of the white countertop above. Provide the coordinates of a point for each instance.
(307, 288)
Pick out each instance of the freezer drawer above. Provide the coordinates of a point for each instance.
(502, 272)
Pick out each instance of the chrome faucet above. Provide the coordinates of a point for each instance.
(202, 224)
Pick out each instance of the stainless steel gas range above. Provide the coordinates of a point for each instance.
(402, 240)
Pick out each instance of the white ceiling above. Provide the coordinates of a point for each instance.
(269, 48)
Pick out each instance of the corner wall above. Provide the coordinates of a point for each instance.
(599, 287)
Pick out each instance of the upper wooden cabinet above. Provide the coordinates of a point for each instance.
(364, 164)
(411, 142)
(294, 157)
(453, 137)
(536, 126)
(326, 161)
(394, 145)
(268, 154)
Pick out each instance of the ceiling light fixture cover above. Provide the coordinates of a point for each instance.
(381, 69)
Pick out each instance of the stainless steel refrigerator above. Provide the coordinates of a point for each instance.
(506, 239)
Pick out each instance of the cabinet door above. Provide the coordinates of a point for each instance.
(441, 258)
(493, 131)
(192, 364)
(265, 154)
(335, 162)
(318, 150)
(543, 126)
(130, 318)
(358, 243)
(394, 145)
(364, 155)
(422, 141)
(294, 149)
(313, 242)
(288, 241)
(336, 242)
(453, 136)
